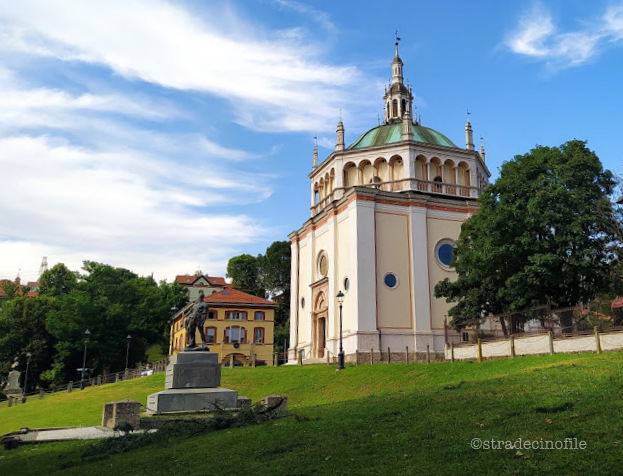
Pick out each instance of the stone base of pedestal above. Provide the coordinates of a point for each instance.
(192, 399)
(199, 369)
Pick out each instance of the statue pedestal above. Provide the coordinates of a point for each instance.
(12, 388)
(192, 399)
(192, 384)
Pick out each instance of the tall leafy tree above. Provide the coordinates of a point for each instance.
(111, 303)
(57, 281)
(267, 275)
(245, 271)
(546, 234)
(22, 330)
(276, 271)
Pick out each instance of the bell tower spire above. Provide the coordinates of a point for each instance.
(398, 98)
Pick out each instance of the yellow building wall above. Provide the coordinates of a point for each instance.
(392, 256)
(246, 352)
(439, 229)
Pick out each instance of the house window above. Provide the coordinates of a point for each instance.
(234, 335)
(212, 315)
(258, 335)
(259, 315)
(236, 315)
(210, 335)
(464, 336)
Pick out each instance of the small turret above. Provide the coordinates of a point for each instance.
(315, 164)
(407, 126)
(482, 150)
(469, 135)
(339, 145)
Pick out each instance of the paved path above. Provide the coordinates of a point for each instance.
(63, 434)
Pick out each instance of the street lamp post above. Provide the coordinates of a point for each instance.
(28, 356)
(172, 337)
(127, 351)
(340, 356)
(84, 358)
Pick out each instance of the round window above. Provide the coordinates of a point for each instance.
(443, 253)
(346, 284)
(390, 280)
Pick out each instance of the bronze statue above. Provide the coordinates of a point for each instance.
(195, 323)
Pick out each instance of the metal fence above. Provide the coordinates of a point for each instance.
(574, 321)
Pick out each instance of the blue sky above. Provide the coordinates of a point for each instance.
(167, 137)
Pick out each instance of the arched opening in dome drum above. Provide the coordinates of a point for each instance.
(395, 108)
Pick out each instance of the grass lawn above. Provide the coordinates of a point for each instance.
(381, 419)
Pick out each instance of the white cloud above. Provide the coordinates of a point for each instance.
(534, 29)
(536, 36)
(59, 198)
(613, 22)
(161, 43)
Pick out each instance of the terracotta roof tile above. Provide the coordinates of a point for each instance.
(185, 278)
(235, 296)
(189, 279)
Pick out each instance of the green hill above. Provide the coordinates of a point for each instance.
(381, 419)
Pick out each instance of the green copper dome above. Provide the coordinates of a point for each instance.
(392, 133)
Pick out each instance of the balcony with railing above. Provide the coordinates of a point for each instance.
(425, 186)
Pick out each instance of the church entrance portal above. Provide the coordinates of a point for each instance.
(319, 320)
(320, 336)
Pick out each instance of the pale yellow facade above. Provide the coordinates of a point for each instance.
(385, 214)
(239, 332)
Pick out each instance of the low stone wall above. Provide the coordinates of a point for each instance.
(537, 344)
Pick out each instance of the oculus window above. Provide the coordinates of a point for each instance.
(323, 263)
(443, 253)
(390, 280)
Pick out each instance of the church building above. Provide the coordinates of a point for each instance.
(385, 213)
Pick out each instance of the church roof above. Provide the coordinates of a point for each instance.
(391, 133)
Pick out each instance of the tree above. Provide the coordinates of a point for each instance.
(276, 271)
(10, 289)
(245, 273)
(22, 330)
(57, 281)
(267, 275)
(275, 265)
(546, 234)
(111, 303)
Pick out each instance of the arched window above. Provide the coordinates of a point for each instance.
(403, 106)
(395, 108)
(259, 315)
(258, 335)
